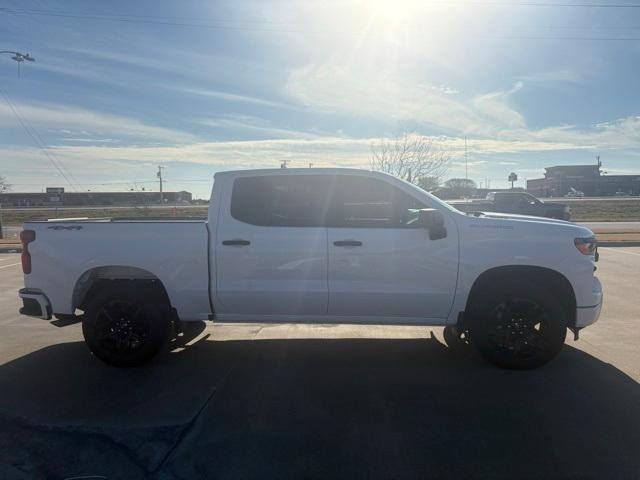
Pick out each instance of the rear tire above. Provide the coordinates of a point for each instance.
(518, 325)
(126, 325)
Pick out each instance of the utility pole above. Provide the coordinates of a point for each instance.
(159, 175)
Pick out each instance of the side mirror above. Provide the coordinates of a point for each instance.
(432, 220)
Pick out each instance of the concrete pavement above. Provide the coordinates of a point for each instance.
(292, 401)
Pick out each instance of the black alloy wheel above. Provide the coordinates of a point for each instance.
(520, 328)
(121, 327)
(126, 325)
(518, 325)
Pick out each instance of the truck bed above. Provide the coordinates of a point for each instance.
(175, 251)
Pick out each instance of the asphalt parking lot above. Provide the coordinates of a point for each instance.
(286, 401)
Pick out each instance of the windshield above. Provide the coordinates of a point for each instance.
(434, 199)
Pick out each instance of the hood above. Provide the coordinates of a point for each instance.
(529, 218)
(535, 222)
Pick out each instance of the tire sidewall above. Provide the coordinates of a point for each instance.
(482, 323)
(153, 308)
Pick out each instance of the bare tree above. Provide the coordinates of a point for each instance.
(461, 187)
(428, 183)
(410, 157)
(4, 186)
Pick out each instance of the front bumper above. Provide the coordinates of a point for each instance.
(35, 303)
(588, 315)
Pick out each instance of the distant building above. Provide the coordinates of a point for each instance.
(58, 197)
(559, 180)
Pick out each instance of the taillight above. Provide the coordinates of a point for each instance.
(587, 245)
(26, 237)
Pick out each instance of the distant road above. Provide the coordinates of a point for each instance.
(594, 199)
(100, 207)
(564, 199)
(612, 226)
(11, 231)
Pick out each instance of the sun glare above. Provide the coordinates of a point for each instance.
(399, 19)
(392, 13)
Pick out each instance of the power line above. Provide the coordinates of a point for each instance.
(67, 171)
(247, 24)
(33, 135)
(540, 4)
(439, 3)
(251, 25)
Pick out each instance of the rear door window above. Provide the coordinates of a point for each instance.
(281, 200)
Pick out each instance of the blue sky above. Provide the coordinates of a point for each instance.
(120, 87)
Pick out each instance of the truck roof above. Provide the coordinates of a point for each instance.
(314, 170)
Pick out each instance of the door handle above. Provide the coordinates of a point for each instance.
(347, 243)
(236, 241)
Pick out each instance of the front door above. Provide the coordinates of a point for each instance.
(271, 247)
(381, 263)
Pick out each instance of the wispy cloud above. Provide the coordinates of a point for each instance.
(254, 125)
(230, 97)
(321, 151)
(333, 86)
(490, 118)
(73, 119)
(552, 76)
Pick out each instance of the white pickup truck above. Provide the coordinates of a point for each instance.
(318, 246)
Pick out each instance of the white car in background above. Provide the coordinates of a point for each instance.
(573, 193)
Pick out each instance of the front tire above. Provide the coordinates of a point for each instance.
(457, 339)
(518, 325)
(126, 325)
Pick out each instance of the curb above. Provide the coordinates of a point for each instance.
(10, 249)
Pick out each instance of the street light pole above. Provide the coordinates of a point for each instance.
(159, 175)
(19, 57)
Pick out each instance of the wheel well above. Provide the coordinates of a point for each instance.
(557, 283)
(101, 277)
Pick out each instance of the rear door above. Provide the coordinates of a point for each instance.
(271, 251)
(381, 263)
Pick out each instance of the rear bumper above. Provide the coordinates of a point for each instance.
(588, 315)
(35, 303)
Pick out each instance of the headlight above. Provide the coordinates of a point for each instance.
(586, 245)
